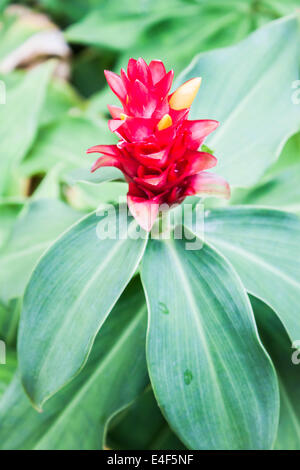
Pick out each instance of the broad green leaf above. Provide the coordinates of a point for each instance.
(142, 426)
(211, 376)
(88, 197)
(248, 89)
(71, 292)
(289, 157)
(263, 246)
(65, 141)
(19, 117)
(60, 99)
(9, 321)
(70, 9)
(278, 345)
(279, 187)
(182, 36)
(282, 191)
(76, 9)
(77, 416)
(282, 8)
(8, 214)
(84, 175)
(49, 187)
(3, 4)
(7, 371)
(118, 29)
(36, 228)
(113, 33)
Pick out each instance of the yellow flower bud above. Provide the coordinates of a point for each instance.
(184, 95)
(165, 122)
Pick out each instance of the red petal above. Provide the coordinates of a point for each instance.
(197, 131)
(105, 149)
(209, 184)
(106, 161)
(115, 111)
(131, 69)
(114, 124)
(192, 163)
(178, 115)
(137, 129)
(161, 109)
(166, 136)
(143, 72)
(125, 79)
(164, 85)
(143, 210)
(199, 161)
(129, 166)
(157, 159)
(157, 70)
(147, 153)
(116, 84)
(142, 102)
(153, 181)
(144, 193)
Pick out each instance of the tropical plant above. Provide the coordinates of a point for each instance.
(134, 340)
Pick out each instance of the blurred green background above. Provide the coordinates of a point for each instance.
(52, 57)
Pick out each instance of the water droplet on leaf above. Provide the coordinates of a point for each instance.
(188, 376)
(163, 308)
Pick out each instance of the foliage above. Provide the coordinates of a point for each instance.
(216, 372)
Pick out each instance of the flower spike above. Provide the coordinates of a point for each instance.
(158, 146)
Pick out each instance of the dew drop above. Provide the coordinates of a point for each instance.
(188, 377)
(163, 308)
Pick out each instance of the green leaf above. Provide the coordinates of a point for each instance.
(84, 175)
(210, 374)
(248, 88)
(77, 416)
(3, 4)
(282, 8)
(119, 27)
(142, 426)
(65, 141)
(20, 117)
(282, 192)
(7, 371)
(49, 187)
(8, 214)
(88, 197)
(113, 33)
(278, 345)
(69, 9)
(60, 99)
(38, 225)
(289, 157)
(70, 294)
(181, 36)
(279, 188)
(9, 321)
(263, 246)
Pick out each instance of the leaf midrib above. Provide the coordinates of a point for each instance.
(255, 259)
(78, 300)
(199, 326)
(93, 377)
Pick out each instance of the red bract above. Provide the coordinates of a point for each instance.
(158, 147)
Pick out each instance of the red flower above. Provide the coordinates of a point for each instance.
(157, 151)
